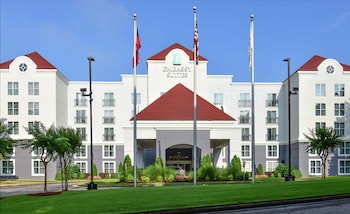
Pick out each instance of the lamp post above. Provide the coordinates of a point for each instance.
(91, 185)
(289, 177)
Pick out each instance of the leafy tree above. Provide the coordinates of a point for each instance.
(323, 141)
(6, 142)
(235, 170)
(206, 171)
(127, 167)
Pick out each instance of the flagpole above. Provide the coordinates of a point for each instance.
(195, 101)
(252, 88)
(134, 65)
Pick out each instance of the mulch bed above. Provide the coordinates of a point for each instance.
(44, 194)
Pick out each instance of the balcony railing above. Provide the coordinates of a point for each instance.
(244, 103)
(108, 102)
(80, 119)
(244, 120)
(80, 102)
(245, 137)
(108, 120)
(271, 137)
(271, 102)
(108, 137)
(271, 120)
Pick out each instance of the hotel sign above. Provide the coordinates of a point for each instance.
(177, 71)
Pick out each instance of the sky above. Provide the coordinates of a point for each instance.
(66, 32)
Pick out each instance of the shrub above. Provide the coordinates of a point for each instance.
(130, 177)
(272, 175)
(145, 179)
(82, 176)
(260, 169)
(94, 170)
(234, 172)
(281, 169)
(207, 170)
(296, 173)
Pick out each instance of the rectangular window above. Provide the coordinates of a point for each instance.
(271, 134)
(138, 98)
(108, 134)
(80, 100)
(244, 117)
(12, 108)
(33, 88)
(344, 149)
(7, 167)
(339, 128)
(245, 150)
(108, 151)
(272, 151)
(315, 167)
(271, 99)
(80, 116)
(36, 152)
(245, 134)
(82, 166)
(12, 88)
(271, 117)
(271, 166)
(344, 167)
(339, 90)
(312, 152)
(38, 167)
(320, 109)
(14, 125)
(320, 125)
(108, 116)
(81, 152)
(108, 99)
(109, 167)
(339, 109)
(218, 99)
(244, 100)
(320, 89)
(82, 132)
(33, 108)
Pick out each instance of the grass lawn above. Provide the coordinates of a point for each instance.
(141, 199)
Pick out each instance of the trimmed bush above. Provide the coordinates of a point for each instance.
(260, 169)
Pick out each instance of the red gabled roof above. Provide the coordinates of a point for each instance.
(177, 104)
(40, 61)
(162, 54)
(315, 61)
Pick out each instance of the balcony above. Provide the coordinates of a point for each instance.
(81, 120)
(244, 103)
(244, 120)
(108, 120)
(108, 137)
(245, 137)
(271, 137)
(80, 102)
(108, 102)
(271, 120)
(271, 103)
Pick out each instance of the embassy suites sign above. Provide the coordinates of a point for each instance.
(177, 71)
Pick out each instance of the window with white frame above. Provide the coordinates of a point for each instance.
(108, 151)
(37, 167)
(138, 98)
(82, 132)
(80, 100)
(244, 100)
(12, 108)
(33, 88)
(271, 117)
(245, 134)
(339, 128)
(218, 99)
(108, 116)
(108, 99)
(339, 90)
(81, 153)
(33, 108)
(14, 125)
(312, 152)
(339, 109)
(82, 166)
(244, 117)
(32, 124)
(246, 166)
(344, 167)
(320, 89)
(271, 99)
(271, 134)
(109, 166)
(12, 88)
(7, 167)
(344, 149)
(271, 166)
(37, 152)
(80, 116)
(314, 167)
(320, 109)
(320, 125)
(108, 134)
(245, 150)
(272, 151)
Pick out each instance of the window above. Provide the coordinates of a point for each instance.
(271, 117)
(82, 166)
(315, 167)
(246, 166)
(80, 116)
(7, 167)
(37, 152)
(82, 132)
(244, 117)
(344, 167)
(339, 128)
(108, 134)
(38, 168)
(80, 100)
(339, 109)
(12, 88)
(271, 99)
(320, 90)
(109, 167)
(271, 166)
(108, 151)
(245, 151)
(244, 100)
(320, 109)
(245, 134)
(312, 152)
(14, 125)
(344, 149)
(271, 134)
(218, 99)
(138, 98)
(108, 116)
(33, 108)
(108, 99)
(339, 90)
(320, 125)
(81, 152)
(12, 108)
(272, 151)
(33, 88)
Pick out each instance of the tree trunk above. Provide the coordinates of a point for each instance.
(45, 177)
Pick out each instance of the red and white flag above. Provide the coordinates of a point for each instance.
(196, 44)
(136, 52)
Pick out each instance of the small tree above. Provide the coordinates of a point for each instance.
(235, 170)
(127, 167)
(207, 170)
(260, 169)
(323, 141)
(6, 142)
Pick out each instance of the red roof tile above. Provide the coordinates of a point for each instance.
(162, 54)
(177, 104)
(315, 61)
(40, 61)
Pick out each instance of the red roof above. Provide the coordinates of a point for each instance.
(315, 61)
(177, 104)
(40, 61)
(162, 54)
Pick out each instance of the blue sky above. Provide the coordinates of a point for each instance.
(66, 32)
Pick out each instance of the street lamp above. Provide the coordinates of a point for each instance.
(289, 177)
(91, 185)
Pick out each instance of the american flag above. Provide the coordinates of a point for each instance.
(137, 46)
(196, 43)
